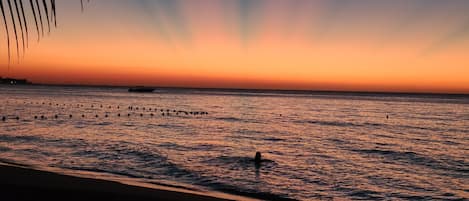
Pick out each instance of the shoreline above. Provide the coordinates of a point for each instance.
(24, 183)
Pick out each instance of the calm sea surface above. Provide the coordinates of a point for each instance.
(316, 146)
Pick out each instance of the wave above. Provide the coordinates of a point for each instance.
(338, 123)
(274, 139)
(249, 193)
(229, 119)
(240, 162)
(418, 159)
(22, 138)
(4, 149)
(377, 125)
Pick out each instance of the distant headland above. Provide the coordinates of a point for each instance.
(12, 81)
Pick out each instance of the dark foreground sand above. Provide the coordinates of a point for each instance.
(18, 183)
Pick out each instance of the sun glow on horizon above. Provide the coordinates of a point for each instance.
(369, 45)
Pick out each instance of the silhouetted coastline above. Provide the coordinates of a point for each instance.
(13, 81)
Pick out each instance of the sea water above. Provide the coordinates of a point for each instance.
(314, 145)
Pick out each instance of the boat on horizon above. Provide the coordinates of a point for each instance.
(141, 89)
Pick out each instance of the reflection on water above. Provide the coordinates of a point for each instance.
(315, 146)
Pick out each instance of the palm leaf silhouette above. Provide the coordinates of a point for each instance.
(33, 9)
(19, 13)
(14, 28)
(44, 3)
(7, 32)
(54, 16)
(40, 16)
(25, 23)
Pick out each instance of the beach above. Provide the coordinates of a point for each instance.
(20, 183)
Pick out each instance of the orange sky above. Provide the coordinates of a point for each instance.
(382, 45)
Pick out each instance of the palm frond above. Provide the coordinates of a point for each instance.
(25, 23)
(54, 15)
(18, 14)
(44, 11)
(44, 3)
(14, 28)
(7, 32)
(40, 16)
(33, 9)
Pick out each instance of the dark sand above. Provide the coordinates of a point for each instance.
(18, 183)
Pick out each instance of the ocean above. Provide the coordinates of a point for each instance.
(315, 146)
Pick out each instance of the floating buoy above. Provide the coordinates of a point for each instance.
(106, 116)
(152, 114)
(141, 115)
(17, 118)
(4, 118)
(35, 117)
(56, 116)
(71, 116)
(119, 115)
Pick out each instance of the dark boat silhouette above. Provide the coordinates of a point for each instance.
(141, 89)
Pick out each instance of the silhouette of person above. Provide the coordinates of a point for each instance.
(258, 159)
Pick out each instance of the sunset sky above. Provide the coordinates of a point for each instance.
(364, 45)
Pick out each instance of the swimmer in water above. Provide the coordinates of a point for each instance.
(258, 159)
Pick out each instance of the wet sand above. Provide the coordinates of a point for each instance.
(19, 183)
